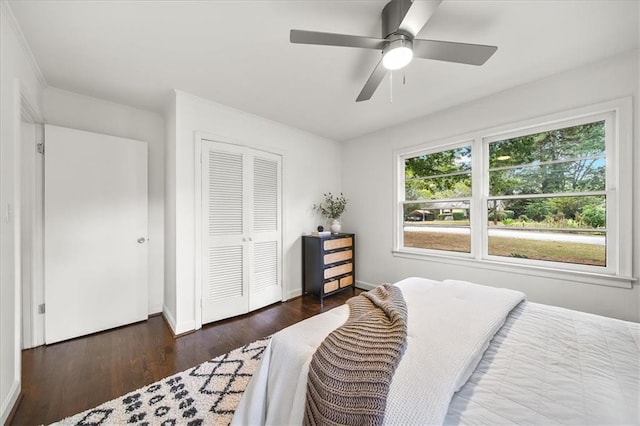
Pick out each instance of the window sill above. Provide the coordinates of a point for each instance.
(532, 270)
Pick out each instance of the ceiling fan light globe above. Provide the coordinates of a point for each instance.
(397, 58)
(397, 55)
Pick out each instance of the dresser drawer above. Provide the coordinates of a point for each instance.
(345, 281)
(338, 256)
(338, 243)
(331, 286)
(338, 270)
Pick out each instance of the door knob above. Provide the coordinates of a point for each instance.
(141, 240)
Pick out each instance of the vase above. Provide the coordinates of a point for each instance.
(335, 226)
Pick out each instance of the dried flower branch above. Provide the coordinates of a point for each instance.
(331, 206)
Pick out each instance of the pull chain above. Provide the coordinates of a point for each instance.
(404, 81)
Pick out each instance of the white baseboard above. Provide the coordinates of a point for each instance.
(9, 402)
(292, 293)
(359, 284)
(177, 329)
(169, 318)
(365, 285)
(185, 327)
(155, 310)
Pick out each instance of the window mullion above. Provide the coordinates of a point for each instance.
(547, 163)
(479, 188)
(547, 195)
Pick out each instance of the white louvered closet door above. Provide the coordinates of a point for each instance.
(241, 217)
(224, 216)
(265, 279)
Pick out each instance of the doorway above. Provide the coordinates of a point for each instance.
(31, 226)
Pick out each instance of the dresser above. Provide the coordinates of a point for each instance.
(328, 264)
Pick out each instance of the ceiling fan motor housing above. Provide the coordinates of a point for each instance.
(392, 16)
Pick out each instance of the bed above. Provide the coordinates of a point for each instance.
(474, 355)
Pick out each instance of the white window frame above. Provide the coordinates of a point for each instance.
(400, 205)
(617, 115)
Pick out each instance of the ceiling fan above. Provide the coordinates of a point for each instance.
(402, 20)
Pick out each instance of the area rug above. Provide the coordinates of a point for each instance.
(207, 394)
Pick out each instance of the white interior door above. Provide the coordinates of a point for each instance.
(266, 274)
(95, 232)
(241, 217)
(225, 291)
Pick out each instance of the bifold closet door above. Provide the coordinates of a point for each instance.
(225, 291)
(95, 220)
(265, 279)
(241, 217)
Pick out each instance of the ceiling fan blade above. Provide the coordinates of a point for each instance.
(418, 15)
(372, 83)
(464, 53)
(331, 39)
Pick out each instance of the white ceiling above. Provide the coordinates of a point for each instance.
(238, 53)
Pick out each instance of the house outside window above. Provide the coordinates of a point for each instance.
(552, 193)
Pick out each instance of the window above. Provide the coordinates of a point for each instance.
(541, 194)
(437, 200)
(547, 198)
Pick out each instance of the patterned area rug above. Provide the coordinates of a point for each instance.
(207, 394)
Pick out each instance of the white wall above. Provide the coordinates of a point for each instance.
(68, 109)
(19, 77)
(367, 181)
(311, 166)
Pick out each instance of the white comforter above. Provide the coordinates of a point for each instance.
(549, 365)
(450, 325)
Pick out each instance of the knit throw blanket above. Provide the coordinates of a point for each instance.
(351, 371)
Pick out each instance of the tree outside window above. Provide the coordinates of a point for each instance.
(546, 197)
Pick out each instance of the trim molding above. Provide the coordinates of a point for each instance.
(15, 26)
(177, 329)
(292, 294)
(185, 328)
(155, 310)
(30, 114)
(169, 319)
(171, 328)
(530, 270)
(9, 405)
(365, 285)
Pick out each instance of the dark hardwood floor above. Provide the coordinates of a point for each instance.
(65, 378)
